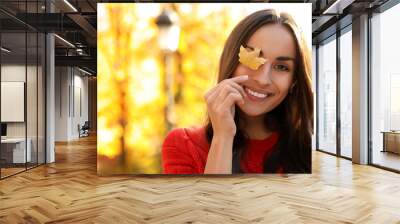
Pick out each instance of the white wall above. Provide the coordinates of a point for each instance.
(81, 100)
(71, 94)
(61, 103)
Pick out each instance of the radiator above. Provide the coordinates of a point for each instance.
(391, 141)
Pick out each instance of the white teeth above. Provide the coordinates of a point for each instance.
(259, 95)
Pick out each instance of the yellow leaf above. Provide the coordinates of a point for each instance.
(250, 58)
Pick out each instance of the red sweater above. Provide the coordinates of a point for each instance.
(185, 151)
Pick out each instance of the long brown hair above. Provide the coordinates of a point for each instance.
(293, 117)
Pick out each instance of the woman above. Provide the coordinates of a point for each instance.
(260, 112)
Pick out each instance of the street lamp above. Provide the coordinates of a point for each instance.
(167, 23)
(168, 41)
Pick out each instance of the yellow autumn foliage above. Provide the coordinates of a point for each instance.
(131, 77)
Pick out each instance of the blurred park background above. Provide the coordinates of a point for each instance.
(155, 62)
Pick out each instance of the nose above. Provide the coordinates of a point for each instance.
(263, 75)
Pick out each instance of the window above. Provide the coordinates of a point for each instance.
(22, 76)
(327, 96)
(385, 89)
(314, 86)
(346, 92)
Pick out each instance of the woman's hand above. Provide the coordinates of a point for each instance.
(221, 105)
(221, 108)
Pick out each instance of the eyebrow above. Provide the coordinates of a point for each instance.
(280, 58)
(283, 58)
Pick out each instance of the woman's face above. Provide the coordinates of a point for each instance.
(268, 86)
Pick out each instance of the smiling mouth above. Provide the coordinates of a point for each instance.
(256, 96)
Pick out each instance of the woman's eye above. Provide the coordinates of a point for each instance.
(281, 68)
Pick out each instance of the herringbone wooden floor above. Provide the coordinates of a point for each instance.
(70, 191)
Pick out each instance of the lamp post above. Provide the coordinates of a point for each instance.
(168, 41)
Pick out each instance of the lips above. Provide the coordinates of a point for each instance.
(255, 95)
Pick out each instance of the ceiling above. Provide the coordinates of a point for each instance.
(77, 26)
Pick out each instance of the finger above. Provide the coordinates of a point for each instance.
(238, 88)
(212, 95)
(240, 78)
(221, 90)
(230, 100)
(209, 92)
(236, 80)
(224, 93)
(235, 85)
